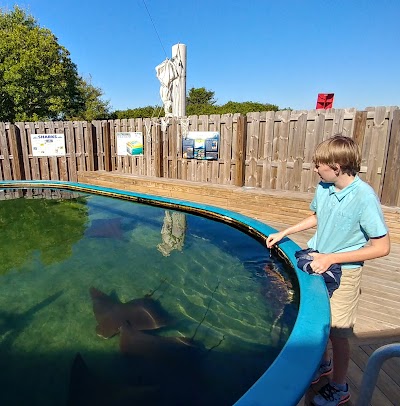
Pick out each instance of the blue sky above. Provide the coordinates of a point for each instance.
(283, 53)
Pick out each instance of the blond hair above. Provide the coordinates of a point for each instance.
(339, 150)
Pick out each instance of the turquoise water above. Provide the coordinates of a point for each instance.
(217, 282)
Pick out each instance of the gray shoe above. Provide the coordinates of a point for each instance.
(323, 370)
(331, 395)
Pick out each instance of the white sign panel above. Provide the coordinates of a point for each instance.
(130, 143)
(48, 144)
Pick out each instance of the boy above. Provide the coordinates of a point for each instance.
(347, 214)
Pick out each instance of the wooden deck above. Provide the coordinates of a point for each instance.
(378, 320)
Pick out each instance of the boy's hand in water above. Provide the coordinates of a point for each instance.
(274, 238)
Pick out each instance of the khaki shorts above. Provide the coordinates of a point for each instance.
(344, 303)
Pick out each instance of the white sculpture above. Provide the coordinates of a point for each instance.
(166, 74)
(172, 76)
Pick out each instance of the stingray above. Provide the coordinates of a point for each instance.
(142, 314)
(137, 343)
(176, 364)
(277, 290)
(105, 228)
(85, 388)
(150, 346)
(173, 362)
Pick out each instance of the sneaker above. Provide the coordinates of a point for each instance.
(331, 395)
(323, 370)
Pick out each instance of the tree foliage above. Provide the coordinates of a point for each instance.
(200, 96)
(140, 112)
(247, 107)
(199, 101)
(95, 107)
(38, 80)
(230, 107)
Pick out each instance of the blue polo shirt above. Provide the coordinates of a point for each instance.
(347, 219)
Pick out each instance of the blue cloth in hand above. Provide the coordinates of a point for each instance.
(331, 276)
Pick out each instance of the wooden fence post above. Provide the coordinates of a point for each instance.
(360, 123)
(15, 144)
(390, 191)
(241, 150)
(24, 151)
(158, 151)
(92, 164)
(107, 146)
(173, 149)
(6, 173)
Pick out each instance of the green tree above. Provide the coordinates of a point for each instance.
(38, 80)
(199, 101)
(201, 109)
(246, 107)
(95, 108)
(200, 96)
(140, 112)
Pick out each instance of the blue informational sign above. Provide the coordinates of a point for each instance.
(201, 145)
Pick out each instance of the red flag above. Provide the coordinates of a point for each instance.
(325, 100)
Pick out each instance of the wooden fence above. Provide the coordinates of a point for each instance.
(269, 150)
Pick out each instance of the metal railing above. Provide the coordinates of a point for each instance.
(372, 369)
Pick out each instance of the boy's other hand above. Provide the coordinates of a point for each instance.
(321, 262)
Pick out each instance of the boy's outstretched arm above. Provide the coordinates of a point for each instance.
(305, 224)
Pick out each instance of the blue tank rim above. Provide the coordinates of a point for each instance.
(288, 378)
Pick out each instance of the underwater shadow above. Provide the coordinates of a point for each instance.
(13, 324)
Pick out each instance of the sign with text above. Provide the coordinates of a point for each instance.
(130, 143)
(201, 145)
(48, 144)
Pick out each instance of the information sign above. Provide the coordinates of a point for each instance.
(201, 145)
(130, 143)
(48, 144)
